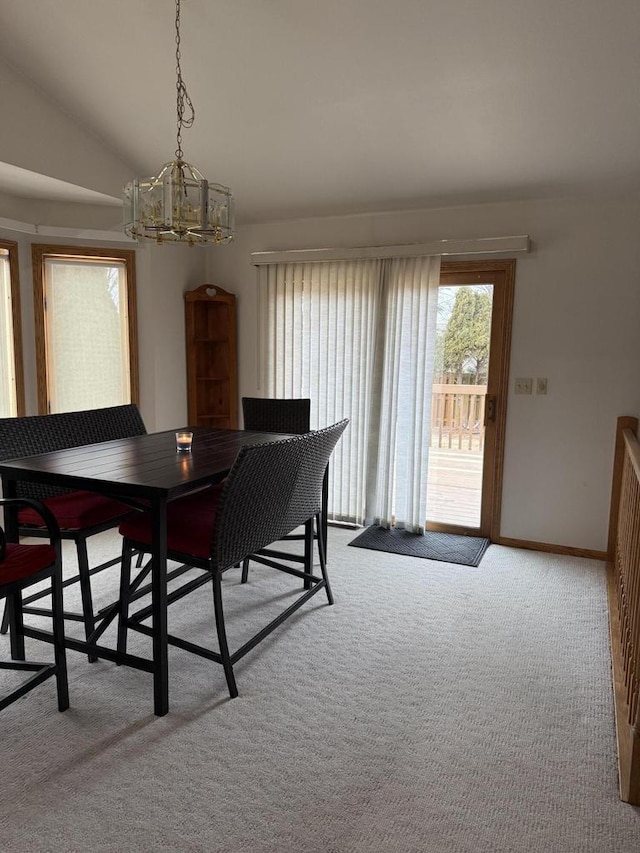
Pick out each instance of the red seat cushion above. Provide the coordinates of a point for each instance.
(20, 561)
(189, 523)
(77, 511)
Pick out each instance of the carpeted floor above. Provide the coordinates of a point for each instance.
(443, 547)
(440, 711)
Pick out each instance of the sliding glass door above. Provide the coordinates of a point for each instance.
(415, 354)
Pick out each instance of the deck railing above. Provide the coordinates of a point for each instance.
(623, 578)
(457, 416)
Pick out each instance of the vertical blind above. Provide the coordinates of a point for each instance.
(318, 341)
(402, 402)
(358, 338)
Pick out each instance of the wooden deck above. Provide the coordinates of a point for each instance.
(454, 486)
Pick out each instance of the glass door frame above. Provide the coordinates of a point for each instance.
(501, 275)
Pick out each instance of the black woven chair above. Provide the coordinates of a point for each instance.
(272, 488)
(292, 416)
(20, 567)
(78, 514)
(268, 414)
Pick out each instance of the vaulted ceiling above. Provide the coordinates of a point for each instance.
(311, 108)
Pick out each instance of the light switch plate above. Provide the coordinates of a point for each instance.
(524, 385)
(541, 385)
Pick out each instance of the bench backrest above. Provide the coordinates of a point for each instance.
(35, 434)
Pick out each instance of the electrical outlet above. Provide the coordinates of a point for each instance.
(524, 385)
(541, 385)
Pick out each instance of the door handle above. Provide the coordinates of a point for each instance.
(491, 408)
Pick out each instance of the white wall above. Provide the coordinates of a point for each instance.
(46, 214)
(576, 321)
(37, 136)
(163, 275)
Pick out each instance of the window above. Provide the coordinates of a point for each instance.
(85, 314)
(11, 377)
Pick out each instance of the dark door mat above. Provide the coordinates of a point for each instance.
(446, 547)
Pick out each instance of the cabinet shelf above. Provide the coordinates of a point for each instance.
(213, 416)
(210, 314)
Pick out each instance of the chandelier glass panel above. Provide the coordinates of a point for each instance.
(179, 204)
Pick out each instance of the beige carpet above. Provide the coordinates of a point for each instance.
(433, 709)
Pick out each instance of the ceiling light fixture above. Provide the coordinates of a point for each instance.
(179, 205)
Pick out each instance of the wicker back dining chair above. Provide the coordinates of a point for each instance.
(269, 414)
(271, 489)
(79, 514)
(21, 566)
(272, 414)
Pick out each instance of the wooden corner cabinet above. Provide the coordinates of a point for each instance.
(212, 380)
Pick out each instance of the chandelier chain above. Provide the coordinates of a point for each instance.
(178, 204)
(183, 101)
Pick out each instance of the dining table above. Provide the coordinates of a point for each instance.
(145, 472)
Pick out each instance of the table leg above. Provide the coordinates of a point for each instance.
(159, 605)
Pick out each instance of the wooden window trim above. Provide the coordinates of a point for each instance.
(14, 275)
(41, 252)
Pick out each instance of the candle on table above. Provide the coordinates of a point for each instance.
(184, 440)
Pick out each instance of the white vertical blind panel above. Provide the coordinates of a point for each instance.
(318, 342)
(358, 338)
(400, 492)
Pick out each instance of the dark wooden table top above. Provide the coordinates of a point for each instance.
(139, 466)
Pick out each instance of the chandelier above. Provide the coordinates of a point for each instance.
(179, 205)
